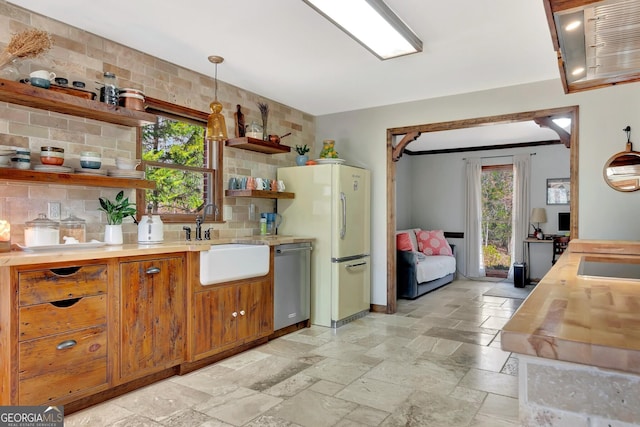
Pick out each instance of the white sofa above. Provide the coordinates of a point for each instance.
(418, 274)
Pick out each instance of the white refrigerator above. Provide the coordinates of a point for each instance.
(332, 205)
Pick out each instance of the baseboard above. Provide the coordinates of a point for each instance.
(377, 308)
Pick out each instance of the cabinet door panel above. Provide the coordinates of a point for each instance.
(152, 315)
(229, 314)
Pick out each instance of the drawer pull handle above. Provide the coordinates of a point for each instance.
(241, 312)
(153, 270)
(65, 271)
(65, 302)
(234, 314)
(66, 344)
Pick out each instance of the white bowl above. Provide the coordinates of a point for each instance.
(4, 160)
(127, 164)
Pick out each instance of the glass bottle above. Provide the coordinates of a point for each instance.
(109, 92)
(9, 70)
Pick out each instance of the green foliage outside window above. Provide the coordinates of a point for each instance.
(175, 158)
(497, 205)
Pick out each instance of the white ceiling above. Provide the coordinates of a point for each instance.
(285, 51)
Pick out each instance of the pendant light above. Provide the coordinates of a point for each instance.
(216, 126)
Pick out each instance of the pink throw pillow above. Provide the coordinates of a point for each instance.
(403, 242)
(433, 243)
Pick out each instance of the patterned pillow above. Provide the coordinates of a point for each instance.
(433, 243)
(403, 242)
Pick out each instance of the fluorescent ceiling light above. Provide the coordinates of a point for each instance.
(372, 24)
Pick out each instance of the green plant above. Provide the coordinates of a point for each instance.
(302, 149)
(117, 211)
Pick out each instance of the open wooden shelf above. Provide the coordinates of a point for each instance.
(258, 145)
(259, 194)
(45, 99)
(74, 179)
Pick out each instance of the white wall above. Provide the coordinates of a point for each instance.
(604, 213)
(438, 200)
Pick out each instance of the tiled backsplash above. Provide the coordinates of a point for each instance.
(78, 55)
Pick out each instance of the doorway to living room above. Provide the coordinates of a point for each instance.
(398, 138)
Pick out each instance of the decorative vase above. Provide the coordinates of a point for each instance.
(113, 234)
(301, 160)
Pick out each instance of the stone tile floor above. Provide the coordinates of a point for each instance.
(436, 362)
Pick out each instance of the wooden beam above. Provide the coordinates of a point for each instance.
(398, 149)
(547, 122)
(483, 148)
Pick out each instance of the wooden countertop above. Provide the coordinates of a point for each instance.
(19, 257)
(572, 317)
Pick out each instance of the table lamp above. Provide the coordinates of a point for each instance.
(538, 215)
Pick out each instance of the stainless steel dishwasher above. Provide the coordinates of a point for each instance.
(292, 284)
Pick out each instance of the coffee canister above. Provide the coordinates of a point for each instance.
(73, 227)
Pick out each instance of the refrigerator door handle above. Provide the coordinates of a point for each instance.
(357, 265)
(343, 230)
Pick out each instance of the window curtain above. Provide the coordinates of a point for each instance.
(520, 214)
(474, 264)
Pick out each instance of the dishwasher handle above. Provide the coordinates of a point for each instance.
(300, 249)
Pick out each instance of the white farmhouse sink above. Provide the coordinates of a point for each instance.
(223, 263)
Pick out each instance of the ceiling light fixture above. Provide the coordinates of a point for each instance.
(372, 24)
(216, 126)
(573, 44)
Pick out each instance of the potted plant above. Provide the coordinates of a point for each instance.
(302, 157)
(116, 212)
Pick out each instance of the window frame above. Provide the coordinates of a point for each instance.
(178, 112)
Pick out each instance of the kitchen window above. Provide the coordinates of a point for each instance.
(187, 170)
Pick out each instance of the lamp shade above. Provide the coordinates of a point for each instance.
(538, 215)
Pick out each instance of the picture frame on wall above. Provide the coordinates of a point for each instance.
(558, 191)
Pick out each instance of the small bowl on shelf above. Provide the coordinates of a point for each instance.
(52, 156)
(91, 163)
(20, 163)
(51, 160)
(40, 82)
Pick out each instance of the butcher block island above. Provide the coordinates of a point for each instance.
(78, 327)
(577, 336)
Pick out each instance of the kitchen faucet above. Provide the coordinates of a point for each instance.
(201, 218)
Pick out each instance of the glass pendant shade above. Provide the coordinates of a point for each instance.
(216, 126)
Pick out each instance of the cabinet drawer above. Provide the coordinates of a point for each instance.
(61, 316)
(47, 372)
(57, 284)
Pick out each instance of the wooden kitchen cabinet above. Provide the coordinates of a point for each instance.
(231, 314)
(152, 315)
(62, 351)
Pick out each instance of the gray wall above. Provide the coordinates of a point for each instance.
(604, 213)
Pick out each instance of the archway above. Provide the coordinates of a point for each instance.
(410, 133)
